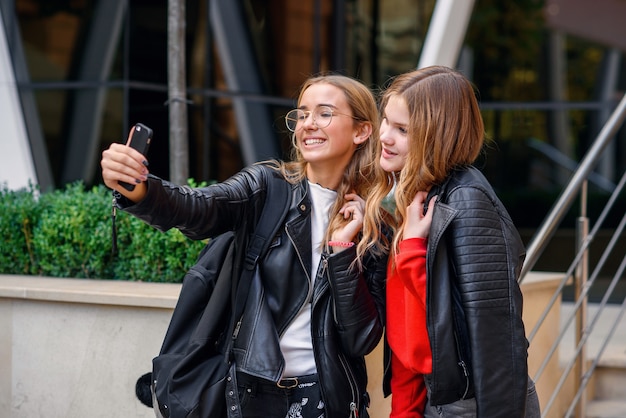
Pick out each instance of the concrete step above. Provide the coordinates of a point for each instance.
(608, 385)
(606, 409)
(614, 354)
(610, 382)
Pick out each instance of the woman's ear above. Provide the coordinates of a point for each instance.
(362, 132)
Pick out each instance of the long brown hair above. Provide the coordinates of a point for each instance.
(358, 176)
(445, 132)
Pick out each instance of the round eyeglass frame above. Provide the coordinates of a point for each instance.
(295, 118)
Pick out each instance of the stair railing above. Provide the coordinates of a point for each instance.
(578, 269)
(584, 330)
(563, 204)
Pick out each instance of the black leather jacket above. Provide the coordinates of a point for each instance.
(347, 306)
(474, 303)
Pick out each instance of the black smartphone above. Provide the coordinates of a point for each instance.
(139, 138)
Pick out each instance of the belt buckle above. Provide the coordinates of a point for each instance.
(283, 385)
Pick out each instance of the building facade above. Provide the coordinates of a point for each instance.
(78, 73)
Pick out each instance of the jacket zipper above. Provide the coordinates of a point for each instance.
(353, 410)
(465, 373)
(324, 263)
(463, 366)
(354, 405)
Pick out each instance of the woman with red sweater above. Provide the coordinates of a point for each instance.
(454, 306)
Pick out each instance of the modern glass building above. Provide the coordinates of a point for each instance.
(78, 73)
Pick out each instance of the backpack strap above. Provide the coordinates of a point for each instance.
(274, 211)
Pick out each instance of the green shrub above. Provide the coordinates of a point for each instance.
(72, 238)
(146, 254)
(68, 233)
(19, 212)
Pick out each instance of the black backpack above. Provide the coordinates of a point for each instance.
(189, 375)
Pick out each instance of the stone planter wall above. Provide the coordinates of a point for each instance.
(74, 348)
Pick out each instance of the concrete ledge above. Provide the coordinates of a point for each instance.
(73, 348)
(99, 292)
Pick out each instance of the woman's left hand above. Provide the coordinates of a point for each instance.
(417, 223)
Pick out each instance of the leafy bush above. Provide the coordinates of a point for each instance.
(19, 212)
(68, 233)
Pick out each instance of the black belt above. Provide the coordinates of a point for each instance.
(284, 383)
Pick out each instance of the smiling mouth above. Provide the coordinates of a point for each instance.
(313, 141)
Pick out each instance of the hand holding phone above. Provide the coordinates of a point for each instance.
(139, 139)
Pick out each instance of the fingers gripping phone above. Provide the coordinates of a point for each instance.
(139, 138)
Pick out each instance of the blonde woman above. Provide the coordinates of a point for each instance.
(318, 307)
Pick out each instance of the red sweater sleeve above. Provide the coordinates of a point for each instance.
(411, 267)
(406, 329)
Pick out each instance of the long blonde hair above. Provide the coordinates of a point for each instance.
(358, 176)
(445, 132)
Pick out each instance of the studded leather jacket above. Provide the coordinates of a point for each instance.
(347, 305)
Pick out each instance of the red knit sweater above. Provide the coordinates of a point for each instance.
(406, 329)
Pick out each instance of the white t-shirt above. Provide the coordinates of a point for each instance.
(296, 344)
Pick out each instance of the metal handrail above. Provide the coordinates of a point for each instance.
(583, 247)
(578, 269)
(586, 331)
(560, 208)
(579, 347)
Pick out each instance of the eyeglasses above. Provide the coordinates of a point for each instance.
(322, 116)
